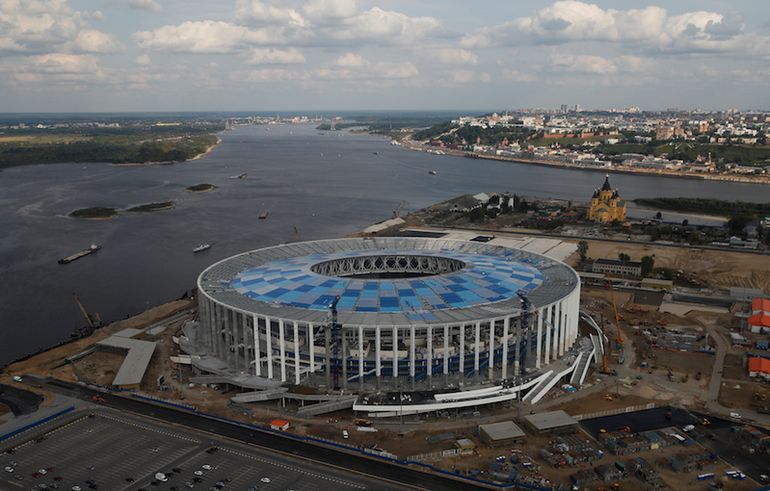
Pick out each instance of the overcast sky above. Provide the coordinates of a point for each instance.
(189, 55)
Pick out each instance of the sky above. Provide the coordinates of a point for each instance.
(254, 55)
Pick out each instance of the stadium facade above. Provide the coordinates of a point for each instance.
(387, 312)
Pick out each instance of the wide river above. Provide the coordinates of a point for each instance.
(325, 185)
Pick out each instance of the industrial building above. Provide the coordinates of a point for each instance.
(500, 434)
(550, 422)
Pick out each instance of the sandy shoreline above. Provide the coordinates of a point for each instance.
(412, 145)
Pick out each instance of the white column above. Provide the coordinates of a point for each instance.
(361, 354)
(492, 325)
(476, 348)
(506, 326)
(462, 350)
(446, 349)
(377, 360)
(282, 349)
(556, 331)
(257, 355)
(548, 326)
(412, 354)
(311, 346)
(538, 346)
(430, 353)
(563, 337)
(296, 353)
(395, 352)
(269, 347)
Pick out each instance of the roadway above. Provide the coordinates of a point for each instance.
(371, 467)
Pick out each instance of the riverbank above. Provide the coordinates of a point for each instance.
(417, 146)
(199, 156)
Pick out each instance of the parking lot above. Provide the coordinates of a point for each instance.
(114, 451)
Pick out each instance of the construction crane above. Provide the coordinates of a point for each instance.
(619, 335)
(397, 211)
(94, 321)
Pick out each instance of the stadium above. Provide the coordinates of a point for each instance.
(386, 313)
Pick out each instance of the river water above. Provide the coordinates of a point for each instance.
(324, 184)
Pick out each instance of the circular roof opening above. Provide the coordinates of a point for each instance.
(388, 266)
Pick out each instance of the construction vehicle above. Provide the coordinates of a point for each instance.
(362, 422)
(760, 396)
(608, 397)
(99, 399)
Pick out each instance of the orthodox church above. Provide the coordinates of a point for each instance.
(606, 205)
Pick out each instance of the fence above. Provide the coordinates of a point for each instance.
(612, 412)
(427, 457)
(36, 423)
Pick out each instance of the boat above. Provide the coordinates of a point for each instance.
(263, 215)
(375, 153)
(202, 247)
(80, 254)
(239, 176)
(433, 172)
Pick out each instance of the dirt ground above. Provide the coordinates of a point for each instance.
(740, 395)
(99, 367)
(593, 404)
(717, 268)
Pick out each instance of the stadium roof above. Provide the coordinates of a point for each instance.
(281, 282)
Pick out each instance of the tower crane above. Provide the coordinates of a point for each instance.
(618, 335)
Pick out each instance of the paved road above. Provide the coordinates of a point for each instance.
(405, 476)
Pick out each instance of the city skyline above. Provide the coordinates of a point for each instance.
(141, 55)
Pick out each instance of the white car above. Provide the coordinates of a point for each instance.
(265, 480)
(76, 488)
(735, 415)
(8, 468)
(688, 428)
(206, 467)
(161, 477)
(42, 472)
(345, 434)
(198, 473)
(16, 378)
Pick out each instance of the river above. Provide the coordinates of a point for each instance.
(324, 184)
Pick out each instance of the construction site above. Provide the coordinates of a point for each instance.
(666, 402)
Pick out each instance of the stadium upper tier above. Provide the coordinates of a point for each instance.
(386, 281)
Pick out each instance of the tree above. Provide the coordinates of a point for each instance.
(685, 222)
(737, 223)
(623, 256)
(659, 215)
(582, 248)
(477, 214)
(648, 264)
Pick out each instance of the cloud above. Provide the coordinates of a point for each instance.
(330, 9)
(651, 28)
(582, 64)
(453, 56)
(56, 68)
(259, 56)
(143, 60)
(149, 5)
(207, 36)
(384, 25)
(262, 13)
(349, 60)
(93, 41)
(265, 75)
(39, 26)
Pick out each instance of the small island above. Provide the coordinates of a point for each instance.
(150, 207)
(201, 188)
(95, 212)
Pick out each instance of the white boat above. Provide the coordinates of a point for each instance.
(202, 247)
(433, 172)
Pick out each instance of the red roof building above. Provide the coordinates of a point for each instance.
(759, 305)
(759, 367)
